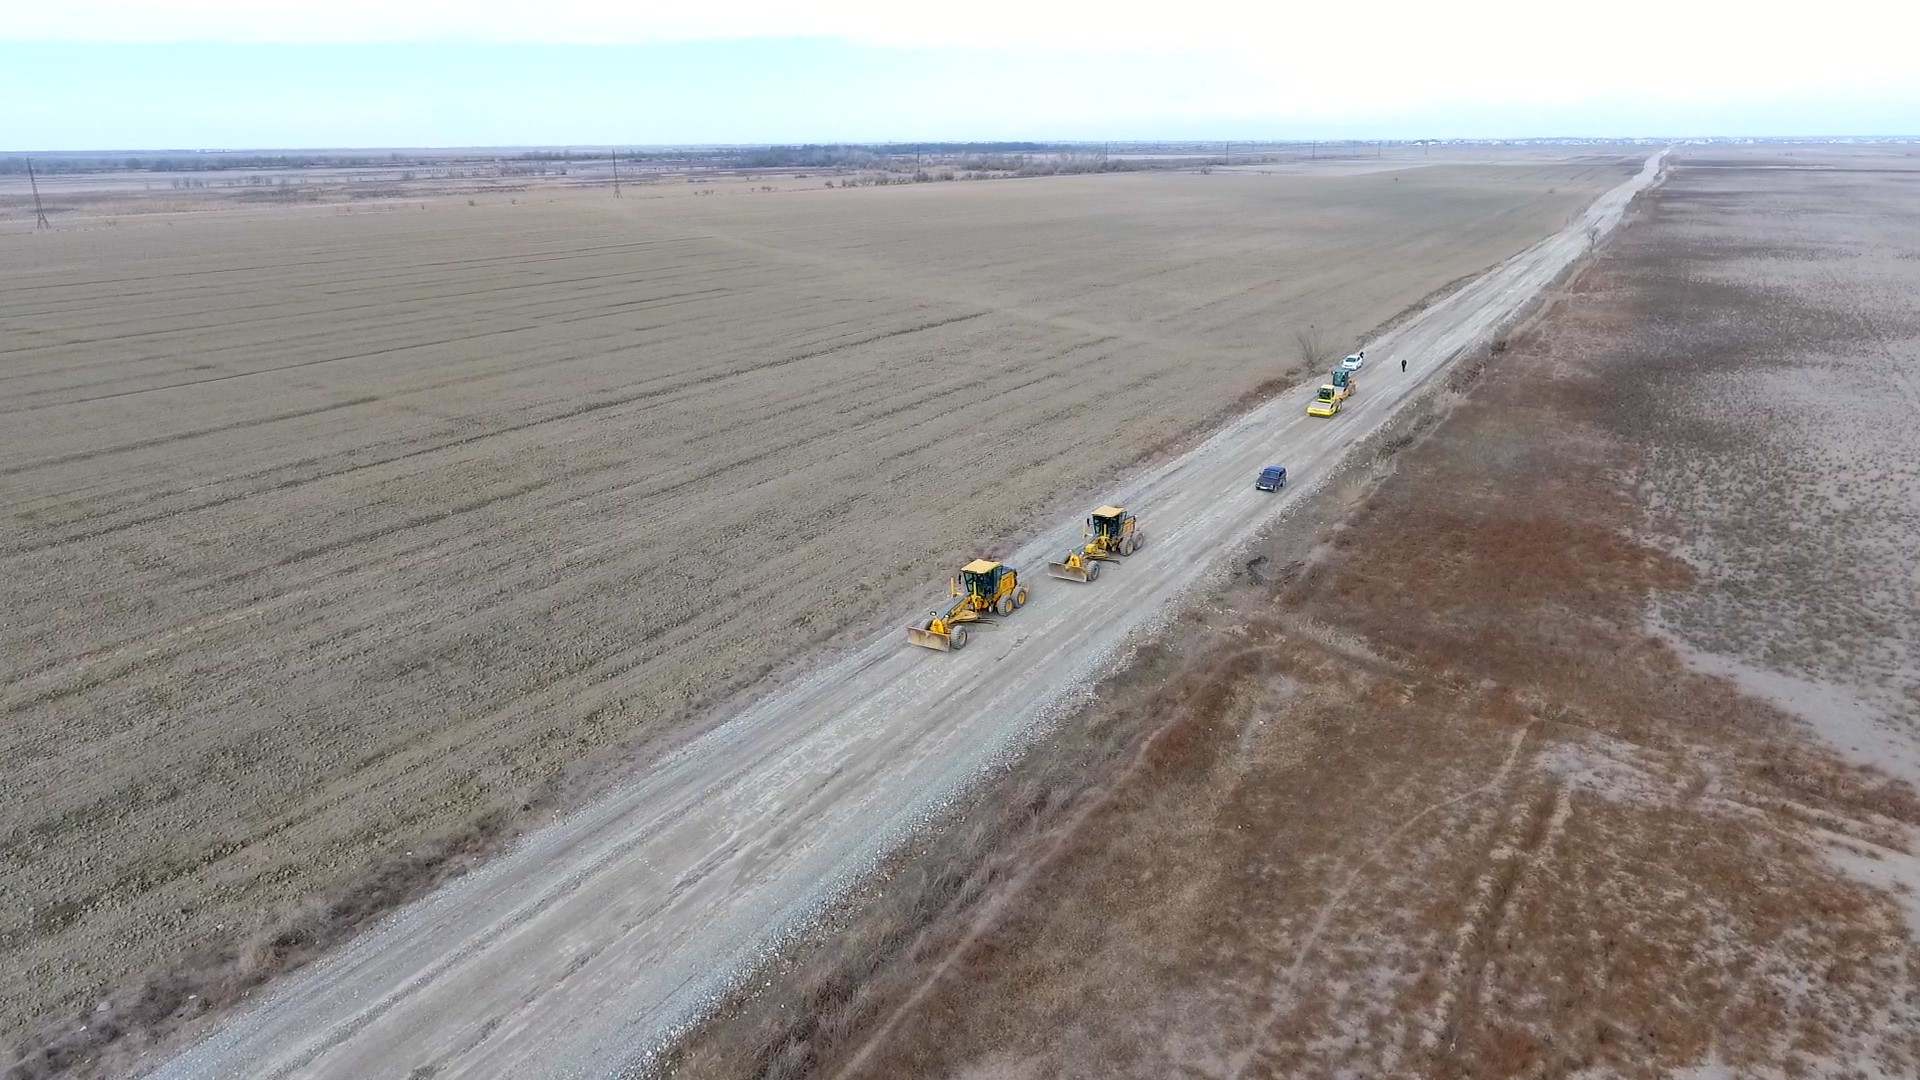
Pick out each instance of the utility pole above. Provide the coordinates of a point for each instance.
(39, 213)
(616, 173)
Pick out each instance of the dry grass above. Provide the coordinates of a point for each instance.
(1417, 795)
(158, 1005)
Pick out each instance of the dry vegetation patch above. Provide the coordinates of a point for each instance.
(1420, 793)
(335, 532)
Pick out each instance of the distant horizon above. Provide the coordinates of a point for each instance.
(1037, 145)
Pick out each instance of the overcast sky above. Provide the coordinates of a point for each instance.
(137, 74)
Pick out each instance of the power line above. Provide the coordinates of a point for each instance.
(39, 213)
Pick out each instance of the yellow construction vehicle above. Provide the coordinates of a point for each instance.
(1110, 533)
(983, 588)
(1326, 402)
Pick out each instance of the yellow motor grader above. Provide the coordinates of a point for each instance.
(983, 588)
(1111, 533)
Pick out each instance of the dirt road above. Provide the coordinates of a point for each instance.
(579, 952)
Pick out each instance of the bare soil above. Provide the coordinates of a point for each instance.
(1452, 780)
(1790, 479)
(343, 543)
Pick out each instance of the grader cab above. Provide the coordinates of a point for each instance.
(1111, 533)
(982, 588)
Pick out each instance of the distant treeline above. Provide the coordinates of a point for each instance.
(51, 164)
(1019, 158)
(811, 156)
(860, 155)
(995, 167)
(70, 163)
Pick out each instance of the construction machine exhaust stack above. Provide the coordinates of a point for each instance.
(1111, 533)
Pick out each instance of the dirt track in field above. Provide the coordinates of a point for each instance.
(330, 532)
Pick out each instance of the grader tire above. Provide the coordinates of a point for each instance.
(1093, 571)
(1126, 547)
(1020, 597)
(959, 637)
(1139, 539)
(1003, 607)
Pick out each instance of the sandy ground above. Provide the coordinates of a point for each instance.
(334, 531)
(593, 942)
(1420, 792)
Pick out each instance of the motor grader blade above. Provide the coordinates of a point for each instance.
(1080, 571)
(954, 638)
(1079, 568)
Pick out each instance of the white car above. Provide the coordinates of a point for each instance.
(1352, 363)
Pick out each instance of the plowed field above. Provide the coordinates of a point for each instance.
(332, 531)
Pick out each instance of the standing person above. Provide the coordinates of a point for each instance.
(1403, 365)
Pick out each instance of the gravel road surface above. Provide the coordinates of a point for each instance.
(586, 947)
